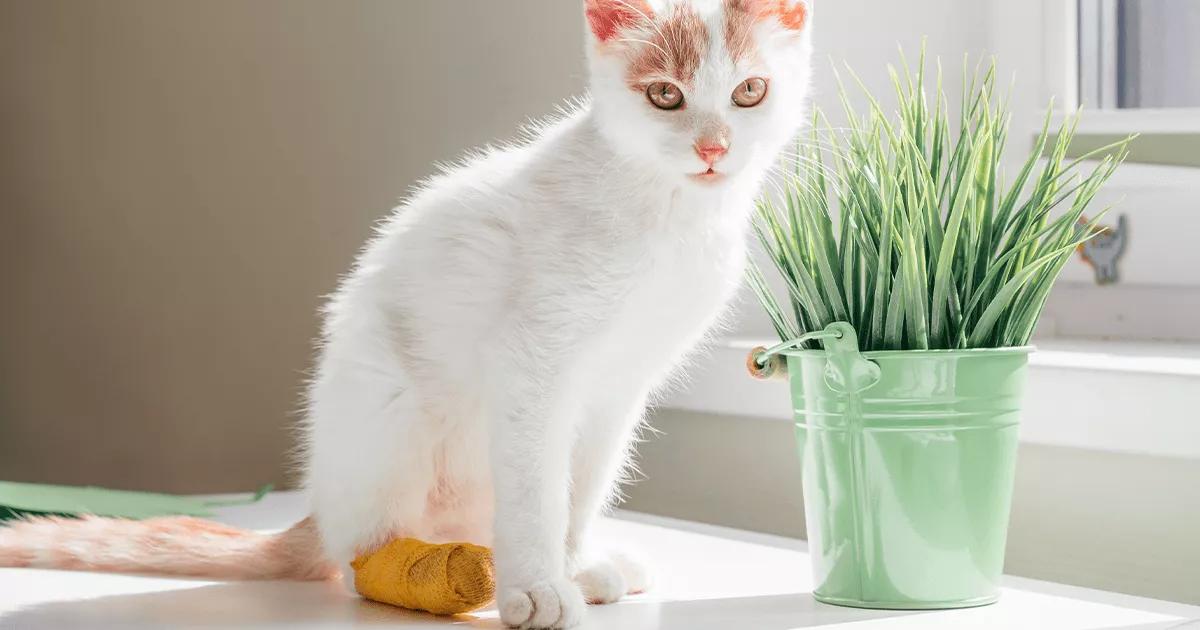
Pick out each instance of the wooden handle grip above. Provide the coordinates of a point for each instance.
(775, 367)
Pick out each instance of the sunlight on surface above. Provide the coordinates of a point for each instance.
(675, 554)
(30, 587)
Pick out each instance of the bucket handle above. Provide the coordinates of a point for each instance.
(766, 363)
(847, 371)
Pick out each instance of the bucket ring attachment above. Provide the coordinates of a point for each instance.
(847, 372)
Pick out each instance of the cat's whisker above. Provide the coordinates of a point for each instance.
(828, 169)
(833, 175)
(645, 18)
(633, 40)
(808, 160)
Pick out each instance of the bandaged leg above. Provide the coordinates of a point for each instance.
(444, 579)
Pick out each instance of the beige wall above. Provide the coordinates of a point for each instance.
(180, 182)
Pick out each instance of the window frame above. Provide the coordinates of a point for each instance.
(1038, 45)
(1063, 42)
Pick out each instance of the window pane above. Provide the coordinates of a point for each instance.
(1139, 53)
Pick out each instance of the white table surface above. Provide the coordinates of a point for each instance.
(708, 578)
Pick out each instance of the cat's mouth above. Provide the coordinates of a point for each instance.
(708, 176)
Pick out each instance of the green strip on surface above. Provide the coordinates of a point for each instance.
(1167, 149)
(33, 499)
(17, 498)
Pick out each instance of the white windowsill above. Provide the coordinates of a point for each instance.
(1111, 396)
(1119, 356)
(1143, 120)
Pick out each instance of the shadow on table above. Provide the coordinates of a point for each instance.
(225, 605)
(1188, 624)
(286, 604)
(761, 612)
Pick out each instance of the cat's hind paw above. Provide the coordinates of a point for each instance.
(601, 583)
(608, 581)
(638, 576)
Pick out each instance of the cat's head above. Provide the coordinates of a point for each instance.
(699, 89)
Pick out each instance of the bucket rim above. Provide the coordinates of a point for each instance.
(919, 354)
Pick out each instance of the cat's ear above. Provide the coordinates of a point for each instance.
(791, 14)
(607, 17)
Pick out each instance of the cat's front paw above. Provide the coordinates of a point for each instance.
(608, 580)
(549, 604)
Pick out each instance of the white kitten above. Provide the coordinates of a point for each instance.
(487, 361)
(496, 344)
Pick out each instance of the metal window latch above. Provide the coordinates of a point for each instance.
(1105, 248)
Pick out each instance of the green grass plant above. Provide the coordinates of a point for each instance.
(904, 226)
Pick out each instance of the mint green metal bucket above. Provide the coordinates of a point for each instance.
(908, 470)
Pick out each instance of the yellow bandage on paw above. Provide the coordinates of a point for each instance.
(442, 579)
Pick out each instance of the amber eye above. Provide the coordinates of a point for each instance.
(664, 95)
(750, 92)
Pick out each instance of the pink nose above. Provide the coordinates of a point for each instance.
(710, 152)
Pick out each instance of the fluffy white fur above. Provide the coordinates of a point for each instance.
(487, 361)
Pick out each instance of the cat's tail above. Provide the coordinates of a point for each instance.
(171, 546)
